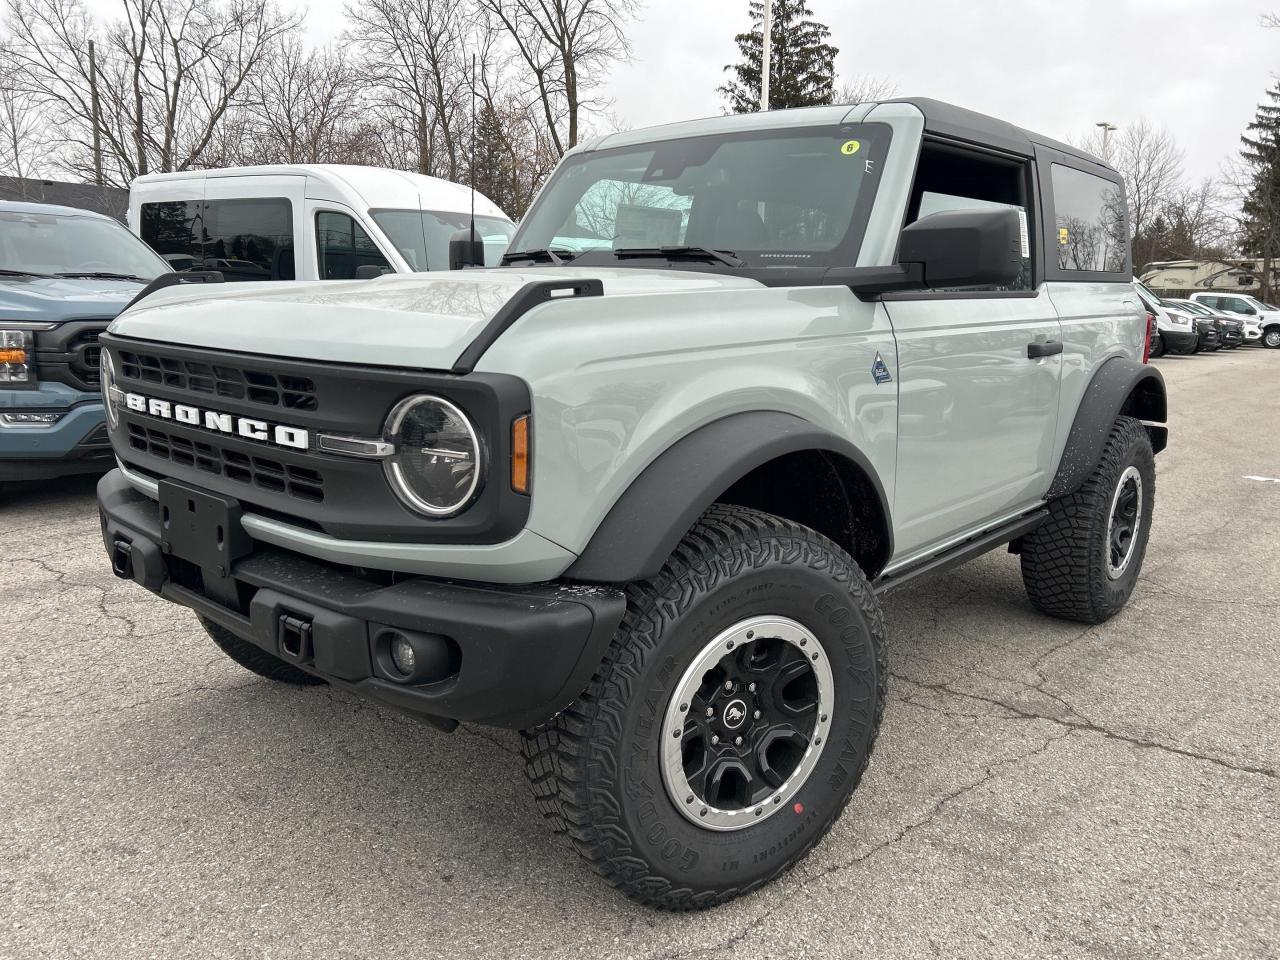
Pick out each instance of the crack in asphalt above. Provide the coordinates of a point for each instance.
(1089, 726)
(783, 900)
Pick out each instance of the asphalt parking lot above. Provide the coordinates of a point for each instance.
(1038, 790)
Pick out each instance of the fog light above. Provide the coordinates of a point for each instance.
(29, 419)
(402, 656)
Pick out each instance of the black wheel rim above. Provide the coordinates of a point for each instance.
(747, 723)
(1124, 522)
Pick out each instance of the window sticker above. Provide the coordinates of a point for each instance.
(1022, 232)
(850, 147)
(640, 226)
(1063, 236)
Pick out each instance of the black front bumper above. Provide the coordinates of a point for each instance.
(518, 654)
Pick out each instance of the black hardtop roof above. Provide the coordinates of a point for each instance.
(957, 123)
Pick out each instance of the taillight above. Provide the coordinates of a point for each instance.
(1146, 346)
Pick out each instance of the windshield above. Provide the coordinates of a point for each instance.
(777, 198)
(422, 237)
(1254, 301)
(1194, 307)
(56, 243)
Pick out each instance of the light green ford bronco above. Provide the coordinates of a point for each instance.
(638, 491)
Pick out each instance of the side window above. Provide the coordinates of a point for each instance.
(171, 229)
(249, 239)
(342, 245)
(1089, 213)
(948, 178)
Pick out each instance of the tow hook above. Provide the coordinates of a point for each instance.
(293, 635)
(122, 559)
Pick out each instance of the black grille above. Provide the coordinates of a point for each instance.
(87, 356)
(262, 472)
(219, 380)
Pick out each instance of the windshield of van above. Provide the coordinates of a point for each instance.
(58, 244)
(796, 197)
(422, 236)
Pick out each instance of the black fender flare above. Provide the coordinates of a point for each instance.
(645, 524)
(1120, 387)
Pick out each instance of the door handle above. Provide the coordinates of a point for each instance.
(1042, 348)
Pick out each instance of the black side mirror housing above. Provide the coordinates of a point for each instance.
(964, 248)
(465, 250)
(368, 271)
(954, 248)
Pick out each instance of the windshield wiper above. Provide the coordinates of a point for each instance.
(23, 273)
(727, 257)
(101, 275)
(557, 256)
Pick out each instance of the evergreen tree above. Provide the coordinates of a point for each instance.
(494, 174)
(1261, 207)
(802, 69)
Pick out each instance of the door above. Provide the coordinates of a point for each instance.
(979, 371)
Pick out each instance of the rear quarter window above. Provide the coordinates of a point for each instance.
(1089, 213)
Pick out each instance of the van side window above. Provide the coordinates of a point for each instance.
(245, 239)
(1089, 213)
(951, 178)
(343, 245)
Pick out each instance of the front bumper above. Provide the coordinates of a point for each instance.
(518, 655)
(77, 443)
(1179, 341)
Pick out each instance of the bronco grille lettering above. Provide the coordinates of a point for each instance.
(248, 428)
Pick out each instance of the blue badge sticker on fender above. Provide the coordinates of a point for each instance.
(880, 370)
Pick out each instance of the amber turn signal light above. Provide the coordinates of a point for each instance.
(520, 454)
(13, 356)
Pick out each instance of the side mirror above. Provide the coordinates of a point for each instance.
(465, 250)
(964, 248)
(368, 271)
(953, 248)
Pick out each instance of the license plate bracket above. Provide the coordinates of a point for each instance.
(201, 527)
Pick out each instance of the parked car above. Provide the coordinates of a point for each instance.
(1177, 329)
(1230, 327)
(641, 500)
(309, 221)
(1253, 310)
(66, 273)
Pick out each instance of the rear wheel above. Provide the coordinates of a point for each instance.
(255, 659)
(1083, 561)
(729, 721)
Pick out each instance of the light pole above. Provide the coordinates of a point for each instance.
(766, 54)
(1106, 129)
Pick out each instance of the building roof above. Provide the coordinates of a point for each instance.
(111, 201)
(19, 206)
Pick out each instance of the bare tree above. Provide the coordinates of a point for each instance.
(24, 136)
(303, 105)
(566, 46)
(169, 72)
(864, 88)
(415, 53)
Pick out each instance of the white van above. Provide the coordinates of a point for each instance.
(309, 221)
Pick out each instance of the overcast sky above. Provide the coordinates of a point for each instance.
(1198, 67)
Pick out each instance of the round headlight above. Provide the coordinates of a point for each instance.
(436, 464)
(107, 376)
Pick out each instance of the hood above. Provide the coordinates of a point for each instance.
(45, 299)
(421, 320)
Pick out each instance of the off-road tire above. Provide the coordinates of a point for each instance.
(1064, 560)
(594, 768)
(256, 659)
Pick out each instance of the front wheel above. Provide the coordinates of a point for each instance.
(1083, 561)
(1271, 337)
(729, 721)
